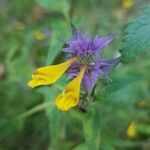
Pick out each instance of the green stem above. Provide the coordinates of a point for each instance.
(35, 109)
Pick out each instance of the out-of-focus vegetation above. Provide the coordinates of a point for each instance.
(31, 35)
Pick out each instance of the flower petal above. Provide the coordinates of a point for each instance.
(132, 130)
(101, 68)
(49, 74)
(70, 96)
(90, 80)
(107, 65)
(100, 42)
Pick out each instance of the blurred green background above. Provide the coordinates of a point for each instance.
(31, 35)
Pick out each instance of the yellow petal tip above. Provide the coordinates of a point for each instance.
(132, 130)
(30, 84)
(70, 96)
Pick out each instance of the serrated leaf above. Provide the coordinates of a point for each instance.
(136, 39)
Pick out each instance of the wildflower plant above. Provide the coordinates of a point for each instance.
(84, 65)
(116, 99)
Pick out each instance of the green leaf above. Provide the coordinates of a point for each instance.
(53, 115)
(92, 128)
(81, 146)
(60, 6)
(136, 39)
(118, 83)
(144, 128)
(59, 32)
(125, 143)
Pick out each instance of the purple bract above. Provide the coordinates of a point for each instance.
(88, 52)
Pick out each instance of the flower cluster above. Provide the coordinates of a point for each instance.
(84, 65)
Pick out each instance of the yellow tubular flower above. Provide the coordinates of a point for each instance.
(70, 96)
(49, 74)
(132, 130)
(127, 3)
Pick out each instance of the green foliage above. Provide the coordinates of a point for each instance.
(60, 6)
(136, 37)
(92, 129)
(32, 34)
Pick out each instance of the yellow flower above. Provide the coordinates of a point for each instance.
(132, 130)
(39, 36)
(70, 96)
(127, 3)
(49, 74)
(20, 25)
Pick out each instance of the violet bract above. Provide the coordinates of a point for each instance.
(84, 65)
(88, 50)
